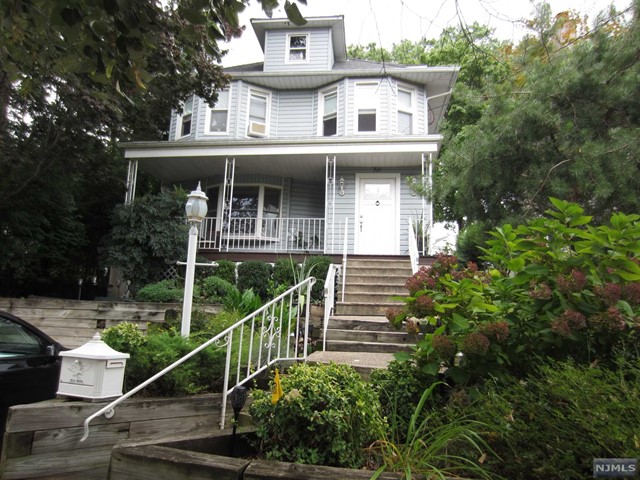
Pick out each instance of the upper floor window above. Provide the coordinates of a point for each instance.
(258, 113)
(366, 107)
(218, 115)
(405, 111)
(297, 47)
(329, 112)
(184, 120)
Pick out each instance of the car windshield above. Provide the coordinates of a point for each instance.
(16, 340)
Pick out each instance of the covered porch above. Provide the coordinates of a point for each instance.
(293, 196)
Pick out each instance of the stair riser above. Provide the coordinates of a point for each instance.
(368, 287)
(372, 298)
(378, 272)
(358, 325)
(367, 347)
(404, 263)
(362, 309)
(363, 336)
(395, 280)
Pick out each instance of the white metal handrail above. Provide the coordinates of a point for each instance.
(266, 334)
(344, 255)
(329, 300)
(414, 255)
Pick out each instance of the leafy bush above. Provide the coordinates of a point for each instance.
(319, 266)
(124, 337)
(226, 270)
(283, 273)
(243, 303)
(558, 288)
(163, 291)
(470, 242)
(557, 421)
(214, 289)
(327, 415)
(255, 275)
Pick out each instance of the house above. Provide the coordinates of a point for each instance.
(308, 151)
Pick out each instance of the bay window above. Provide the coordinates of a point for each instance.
(255, 210)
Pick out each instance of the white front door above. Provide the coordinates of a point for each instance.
(376, 220)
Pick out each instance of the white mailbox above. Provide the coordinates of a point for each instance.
(94, 371)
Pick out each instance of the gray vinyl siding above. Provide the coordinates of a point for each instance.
(319, 51)
(307, 200)
(201, 119)
(382, 105)
(295, 116)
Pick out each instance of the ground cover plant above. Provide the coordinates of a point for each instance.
(557, 287)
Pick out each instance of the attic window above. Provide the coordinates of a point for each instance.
(297, 47)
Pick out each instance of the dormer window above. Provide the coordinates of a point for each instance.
(218, 115)
(297, 45)
(329, 112)
(184, 120)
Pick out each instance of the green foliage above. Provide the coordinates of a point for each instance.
(283, 272)
(562, 417)
(431, 448)
(226, 270)
(327, 416)
(147, 236)
(215, 289)
(319, 266)
(163, 291)
(558, 288)
(163, 346)
(243, 303)
(470, 241)
(254, 275)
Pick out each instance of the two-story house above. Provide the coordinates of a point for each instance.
(308, 151)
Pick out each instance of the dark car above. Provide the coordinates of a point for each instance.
(29, 365)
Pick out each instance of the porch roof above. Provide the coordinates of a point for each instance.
(304, 159)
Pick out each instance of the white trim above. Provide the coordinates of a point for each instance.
(356, 237)
(307, 49)
(208, 116)
(197, 150)
(267, 96)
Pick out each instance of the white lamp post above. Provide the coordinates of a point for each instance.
(196, 209)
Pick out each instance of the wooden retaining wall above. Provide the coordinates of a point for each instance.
(42, 440)
(74, 322)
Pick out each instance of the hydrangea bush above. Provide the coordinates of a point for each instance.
(557, 287)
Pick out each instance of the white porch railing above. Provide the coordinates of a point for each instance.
(277, 331)
(266, 234)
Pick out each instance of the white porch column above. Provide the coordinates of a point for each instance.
(132, 177)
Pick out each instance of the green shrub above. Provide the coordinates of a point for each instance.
(214, 289)
(226, 270)
(327, 416)
(283, 272)
(255, 275)
(163, 291)
(470, 242)
(319, 266)
(558, 420)
(242, 303)
(159, 349)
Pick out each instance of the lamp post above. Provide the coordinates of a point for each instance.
(196, 209)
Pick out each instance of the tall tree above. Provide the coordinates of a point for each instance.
(75, 79)
(566, 126)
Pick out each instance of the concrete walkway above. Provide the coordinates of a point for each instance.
(363, 362)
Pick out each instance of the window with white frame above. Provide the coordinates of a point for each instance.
(255, 210)
(258, 113)
(218, 115)
(297, 47)
(329, 112)
(405, 111)
(366, 107)
(184, 120)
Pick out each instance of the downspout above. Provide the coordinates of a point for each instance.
(448, 92)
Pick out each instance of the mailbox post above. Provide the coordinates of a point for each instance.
(94, 371)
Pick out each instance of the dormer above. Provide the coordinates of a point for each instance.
(315, 46)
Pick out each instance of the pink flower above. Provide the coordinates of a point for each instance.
(476, 343)
(611, 320)
(631, 293)
(498, 331)
(609, 293)
(540, 291)
(443, 346)
(574, 281)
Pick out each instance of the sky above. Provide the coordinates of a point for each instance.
(386, 22)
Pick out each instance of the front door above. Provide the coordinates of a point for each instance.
(376, 220)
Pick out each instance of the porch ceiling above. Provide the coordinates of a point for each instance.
(173, 162)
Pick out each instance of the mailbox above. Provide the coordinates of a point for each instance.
(93, 371)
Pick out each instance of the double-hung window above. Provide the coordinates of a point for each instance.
(218, 115)
(258, 113)
(184, 120)
(329, 112)
(366, 107)
(255, 210)
(405, 111)
(297, 48)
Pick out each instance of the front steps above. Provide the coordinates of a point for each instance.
(359, 334)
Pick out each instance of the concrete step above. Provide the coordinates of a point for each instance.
(404, 338)
(357, 322)
(348, 346)
(380, 262)
(378, 271)
(382, 287)
(372, 297)
(364, 309)
(376, 279)
(362, 362)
